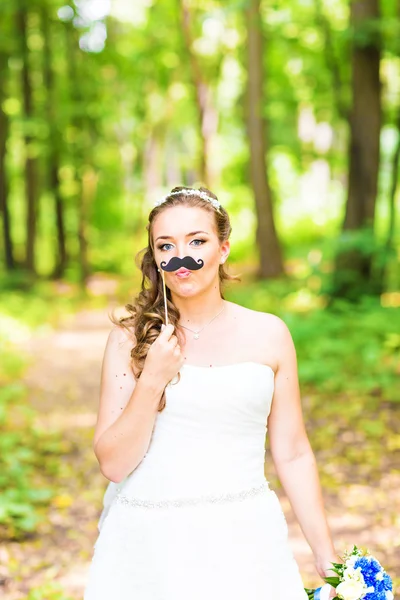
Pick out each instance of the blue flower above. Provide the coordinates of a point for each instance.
(375, 577)
(387, 582)
(370, 568)
(375, 596)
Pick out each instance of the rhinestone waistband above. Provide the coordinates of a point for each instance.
(178, 502)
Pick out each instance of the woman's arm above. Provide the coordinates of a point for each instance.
(127, 410)
(292, 454)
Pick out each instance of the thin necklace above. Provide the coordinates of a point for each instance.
(197, 333)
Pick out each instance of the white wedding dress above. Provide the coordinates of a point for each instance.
(196, 520)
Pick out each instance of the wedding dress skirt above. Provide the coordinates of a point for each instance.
(196, 520)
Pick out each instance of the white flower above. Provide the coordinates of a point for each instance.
(353, 574)
(379, 576)
(389, 595)
(351, 561)
(350, 589)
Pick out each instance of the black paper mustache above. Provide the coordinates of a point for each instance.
(187, 262)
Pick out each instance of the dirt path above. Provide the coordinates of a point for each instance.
(64, 385)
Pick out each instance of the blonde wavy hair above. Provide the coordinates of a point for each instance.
(147, 313)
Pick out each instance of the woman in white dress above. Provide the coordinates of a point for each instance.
(183, 414)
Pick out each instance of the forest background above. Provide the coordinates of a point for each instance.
(290, 112)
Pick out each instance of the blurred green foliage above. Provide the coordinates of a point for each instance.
(48, 591)
(29, 455)
(118, 120)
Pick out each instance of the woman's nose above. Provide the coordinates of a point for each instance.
(182, 250)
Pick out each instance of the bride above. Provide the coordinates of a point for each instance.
(183, 414)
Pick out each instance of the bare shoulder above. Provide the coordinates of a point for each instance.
(275, 330)
(117, 362)
(267, 324)
(273, 326)
(268, 336)
(119, 345)
(120, 335)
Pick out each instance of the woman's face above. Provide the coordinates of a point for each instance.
(188, 231)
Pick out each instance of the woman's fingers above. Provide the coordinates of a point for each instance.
(174, 340)
(166, 332)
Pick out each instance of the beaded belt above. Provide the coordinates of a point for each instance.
(178, 502)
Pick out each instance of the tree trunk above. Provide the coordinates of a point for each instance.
(78, 154)
(54, 145)
(30, 173)
(364, 140)
(208, 116)
(389, 251)
(332, 61)
(4, 208)
(89, 185)
(271, 263)
(394, 187)
(354, 265)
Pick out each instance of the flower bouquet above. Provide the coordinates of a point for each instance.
(359, 577)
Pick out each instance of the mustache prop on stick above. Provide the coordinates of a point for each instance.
(187, 262)
(173, 265)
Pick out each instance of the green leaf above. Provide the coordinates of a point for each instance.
(333, 581)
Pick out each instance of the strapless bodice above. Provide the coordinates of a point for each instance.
(210, 438)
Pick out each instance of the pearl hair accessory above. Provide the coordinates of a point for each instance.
(198, 193)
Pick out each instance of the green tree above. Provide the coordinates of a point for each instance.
(354, 266)
(271, 264)
(54, 138)
(31, 167)
(5, 51)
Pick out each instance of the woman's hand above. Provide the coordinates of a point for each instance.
(324, 567)
(164, 358)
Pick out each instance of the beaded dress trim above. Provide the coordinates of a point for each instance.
(178, 502)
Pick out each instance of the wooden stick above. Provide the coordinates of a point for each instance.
(165, 297)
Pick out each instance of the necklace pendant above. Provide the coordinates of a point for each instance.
(196, 336)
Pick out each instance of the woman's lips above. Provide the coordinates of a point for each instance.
(182, 273)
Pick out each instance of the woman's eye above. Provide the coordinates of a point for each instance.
(163, 247)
